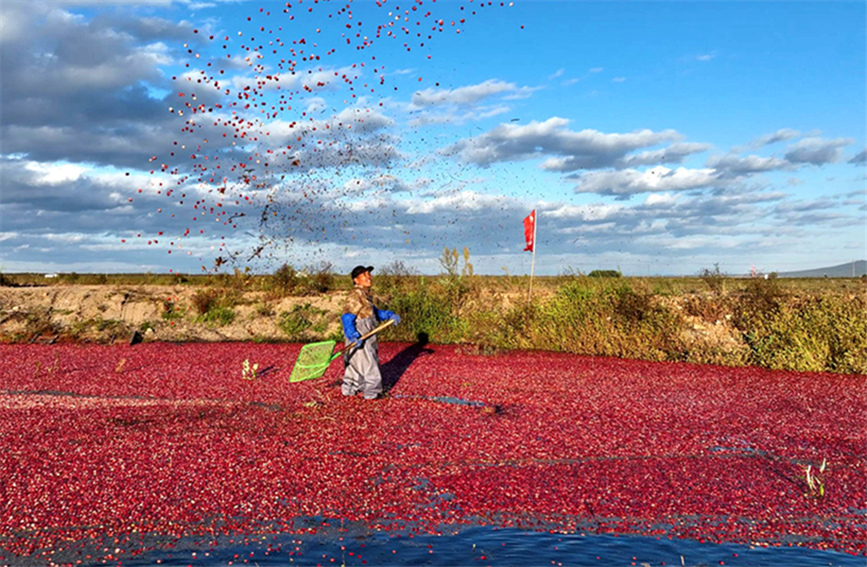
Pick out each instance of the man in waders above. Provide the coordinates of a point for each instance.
(361, 316)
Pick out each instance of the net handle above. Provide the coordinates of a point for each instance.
(370, 333)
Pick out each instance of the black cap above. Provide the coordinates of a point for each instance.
(358, 270)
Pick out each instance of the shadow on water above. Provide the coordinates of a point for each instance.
(394, 369)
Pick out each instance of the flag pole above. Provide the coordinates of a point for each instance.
(533, 262)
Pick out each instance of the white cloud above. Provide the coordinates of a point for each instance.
(675, 153)
(628, 182)
(455, 117)
(460, 201)
(383, 182)
(595, 212)
(586, 149)
(660, 199)
(732, 165)
(468, 95)
(54, 173)
(817, 151)
(781, 135)
(860, 158)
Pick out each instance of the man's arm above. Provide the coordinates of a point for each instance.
(349, 328)
(385, 315)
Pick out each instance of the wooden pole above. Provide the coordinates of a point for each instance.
(533, 263)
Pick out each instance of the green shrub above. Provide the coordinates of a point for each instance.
(240, 280)
(262, 309)
(287, 281)
(214, 306)
(523, 326)
(171, 310)
(98, 328)
(320, 278)
(283, 282)
(608, 321)
(759, 298)
(394, 278)
(604, 274)
(204, 300)
(430, 310)
(219, 315)
(811, 334)
(303, 323)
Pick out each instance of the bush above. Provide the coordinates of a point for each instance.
(283, 282)
(759, 298)
(240, 280)
(428, 310)
(303, 318)
(394, 278)
(204, 300)
(707, 308)
(611, 321)
(320, 278)
(287, 281)
(604, 274)
(714, 279)
(219, 315)
(810, 334)
(171, 310)
(214, 306)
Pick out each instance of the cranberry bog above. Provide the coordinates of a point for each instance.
(112, 452)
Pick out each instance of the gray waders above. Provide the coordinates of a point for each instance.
(362, 363)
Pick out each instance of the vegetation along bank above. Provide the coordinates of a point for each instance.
(788, 324)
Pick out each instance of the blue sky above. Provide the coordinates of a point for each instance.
(653, 137)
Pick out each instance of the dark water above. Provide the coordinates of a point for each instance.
(333, 544)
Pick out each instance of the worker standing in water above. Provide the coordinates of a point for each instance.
(360, 316)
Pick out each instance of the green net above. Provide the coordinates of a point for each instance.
(313, 361)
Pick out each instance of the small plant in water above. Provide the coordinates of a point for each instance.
(249, 371)
(815, 480)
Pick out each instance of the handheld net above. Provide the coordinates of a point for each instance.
(313, 361)
(314, 358)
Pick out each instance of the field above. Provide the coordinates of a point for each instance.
(112, 451)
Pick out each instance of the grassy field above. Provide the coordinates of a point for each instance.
(794, 324)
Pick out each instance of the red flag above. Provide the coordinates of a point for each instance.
(530, 230)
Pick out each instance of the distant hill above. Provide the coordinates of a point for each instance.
(847, 270)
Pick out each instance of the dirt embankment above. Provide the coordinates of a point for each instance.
(158, 313)
(115, 313)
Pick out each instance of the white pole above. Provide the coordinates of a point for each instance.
(533, 263)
